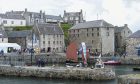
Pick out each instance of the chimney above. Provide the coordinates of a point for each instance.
(25, 9)
(81, 11)
(40, 11)
(64, 11)
(125, 25)
(60, 15)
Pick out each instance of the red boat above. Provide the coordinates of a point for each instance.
(112, 62)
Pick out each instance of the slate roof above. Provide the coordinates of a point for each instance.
(10, 16)
(35, 14)
(135, 35)
(118, 29)
(15, 12)
(73, 14)
(23, 33)
(92, 24)
(54, 17)
(49, 28)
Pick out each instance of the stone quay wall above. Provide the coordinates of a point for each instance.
(59, 72)
(129, 79)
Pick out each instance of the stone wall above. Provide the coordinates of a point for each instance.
(59, 72)
(129, 79)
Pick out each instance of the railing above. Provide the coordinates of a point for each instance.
(12, 63)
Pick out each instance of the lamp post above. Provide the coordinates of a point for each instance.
(32, 47)
(101, 46)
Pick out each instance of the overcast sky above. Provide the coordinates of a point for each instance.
(116, 12)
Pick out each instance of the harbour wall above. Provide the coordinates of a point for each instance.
(59, 72)
(129, 79)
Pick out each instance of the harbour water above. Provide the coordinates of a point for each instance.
(120, 70)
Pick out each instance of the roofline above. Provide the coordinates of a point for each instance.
(90, 27)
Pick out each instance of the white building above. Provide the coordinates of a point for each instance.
(30, 17)
(12, 20)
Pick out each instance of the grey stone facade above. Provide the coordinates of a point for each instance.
(19, 37)
(51, 37)
(121, 34)
(73, 17)
(3, 35)
(133, 41)
(98, 35)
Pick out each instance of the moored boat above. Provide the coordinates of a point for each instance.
(136, 69)
(112, 62)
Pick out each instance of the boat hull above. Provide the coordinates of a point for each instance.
(136, 69)
(112, 63)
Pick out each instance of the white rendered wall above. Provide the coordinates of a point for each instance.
(17, 22)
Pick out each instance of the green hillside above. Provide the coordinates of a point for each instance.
(65, 27)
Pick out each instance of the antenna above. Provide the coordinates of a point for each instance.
(84, 16)
(97, 16)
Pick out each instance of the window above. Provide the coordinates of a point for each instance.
(48, 42)
(71, 18)
(2, 39)
(97, 29)
(92, 41)
(21, 22)
(60, 42)
(76, 18)
(120, 37)
(128, 32)
(78, 35)
(57, 42)
(4, 21)
(87, 34)
(87, 30)
(107, 34)
(78, 30)
(98, 34)
(74, 31)
(43, 42)
(12, 22)
(107, 28)
(53, 42)
(92, 34)
(92, 29)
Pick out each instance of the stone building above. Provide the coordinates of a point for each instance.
(51, 37)
(133, 41)
(73, 17)
(3, 35)
(20, 37)
(98, 35)
(121, 34)
(54, 19)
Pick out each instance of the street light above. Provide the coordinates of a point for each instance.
(32, 46)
